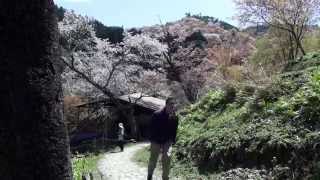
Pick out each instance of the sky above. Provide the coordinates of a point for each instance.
(138, 13)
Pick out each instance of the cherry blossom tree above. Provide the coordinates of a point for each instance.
(112, 69)
(290, 16)
(105, 66)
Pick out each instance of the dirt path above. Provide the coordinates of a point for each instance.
(119, 166)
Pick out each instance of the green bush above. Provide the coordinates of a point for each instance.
(258, 127)
(84, 164)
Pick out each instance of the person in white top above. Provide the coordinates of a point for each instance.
(121, 136)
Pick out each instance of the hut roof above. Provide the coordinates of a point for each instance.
(144, 101)
(138, 99)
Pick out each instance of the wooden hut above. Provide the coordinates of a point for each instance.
(135, 113)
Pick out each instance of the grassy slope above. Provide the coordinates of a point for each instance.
(274, 128)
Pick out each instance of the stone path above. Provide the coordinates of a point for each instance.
(119, 166)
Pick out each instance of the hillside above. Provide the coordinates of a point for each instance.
(204, 47)
(220, 56)
(218, 38)
(218, 34)
(245, 132)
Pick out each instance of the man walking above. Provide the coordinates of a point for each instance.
(164, 124)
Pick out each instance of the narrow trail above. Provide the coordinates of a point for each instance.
(119, 165)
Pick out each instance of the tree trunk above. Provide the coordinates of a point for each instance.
(298, 40)
(292, 50)
(33, 137)
(299, 44)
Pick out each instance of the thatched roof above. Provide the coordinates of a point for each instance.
(144, 101)
(138, 99)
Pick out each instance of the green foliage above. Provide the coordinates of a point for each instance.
(113, 33)
(83, 164)
(213, 102)
(306, 63)
(59, 11)
(269, 54)
(258, 125)
(197, 39)
(315, 82)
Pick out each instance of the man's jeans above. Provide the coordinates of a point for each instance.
(165, 149)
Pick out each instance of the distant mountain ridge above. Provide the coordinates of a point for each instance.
(213, 20)
(115, 33)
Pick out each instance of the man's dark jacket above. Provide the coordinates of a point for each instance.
(163, 128)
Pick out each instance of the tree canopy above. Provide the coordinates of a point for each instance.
(291, 16)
